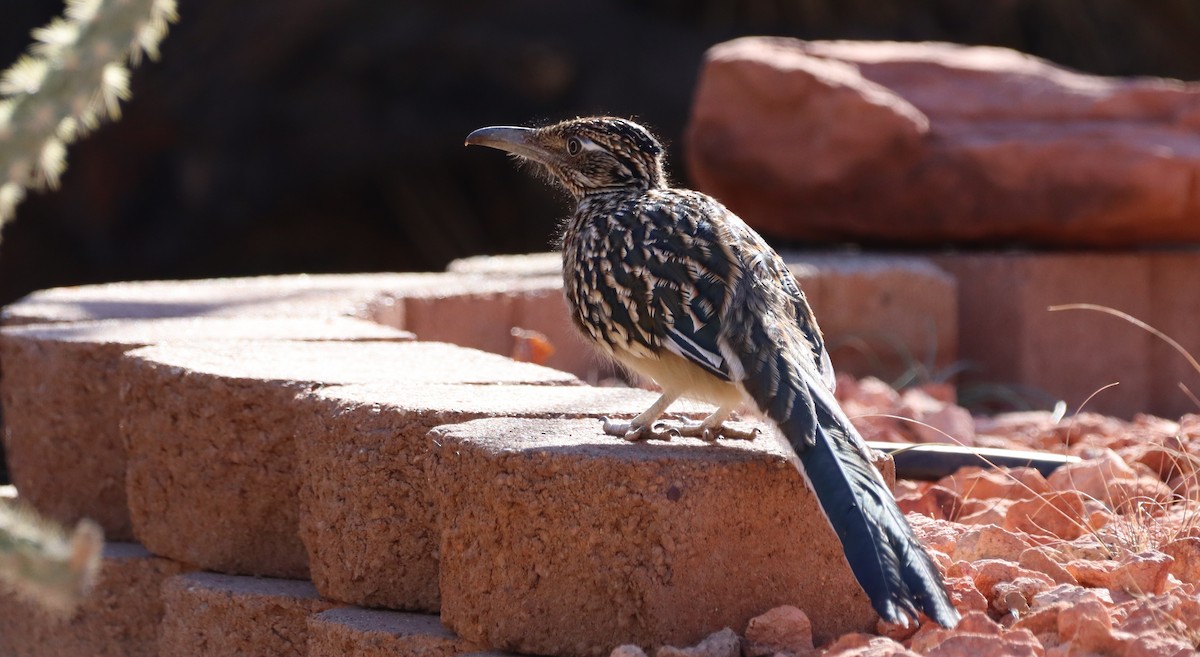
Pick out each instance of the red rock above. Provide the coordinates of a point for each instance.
(965, 595)
(782, 629)
(936, 421)
(1036, 558)
(1138, 574)
(1058, 514)
(995, 579)
(1092, 476)
(719, 644)
(984, 512)
(989, 542)
(936, 143)
(938, 535)
(627, 651)
(1185, 553)
(935, 502)
(1008, 483)
(865, 645)
(975, 635)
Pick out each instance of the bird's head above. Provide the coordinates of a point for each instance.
(585, 156)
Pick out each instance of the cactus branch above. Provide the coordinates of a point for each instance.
(73, 77)
(40, 562)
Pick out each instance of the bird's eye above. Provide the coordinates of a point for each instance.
(574, 145)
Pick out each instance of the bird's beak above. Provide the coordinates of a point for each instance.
(512, 139)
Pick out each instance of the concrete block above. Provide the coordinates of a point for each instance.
(207, 614)
(299, 295)
(368, 516)
(883, 316)
(210, 437)
(120, 618)
(376, 633)
(558, 540)
(59, 393)
(1008, 336)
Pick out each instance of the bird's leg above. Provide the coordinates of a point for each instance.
(643, 426)
(713, 427)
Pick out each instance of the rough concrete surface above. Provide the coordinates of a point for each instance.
(59, 391)
(119, 619)
(368, 516)
(207, 614)
(209, 432)
(556, 539)
(376, 633)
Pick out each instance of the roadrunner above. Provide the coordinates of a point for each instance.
(677, 288)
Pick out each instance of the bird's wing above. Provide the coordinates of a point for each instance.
(693, 255)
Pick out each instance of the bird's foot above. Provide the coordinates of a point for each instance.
(710, 433)
(635, 432)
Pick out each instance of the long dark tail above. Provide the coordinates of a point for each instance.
(891, 566)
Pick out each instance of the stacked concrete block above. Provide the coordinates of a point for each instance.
(558, 540)
(1009, 335)
(59, 389)
(368, 515)
(377, 633)
(210, 437)
(206, 614)
(120, 618)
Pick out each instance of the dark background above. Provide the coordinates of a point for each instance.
(326, 136)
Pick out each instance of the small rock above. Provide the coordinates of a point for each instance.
(936, 420)
(865, 645)
(990, 574)
(989, 542)
(1007, 483)
(1059, 514)
(782, 629)
(1092, 476)
(1137, 574)
(627, 651)
(935, 502)
(977, 635)
(719, 644)
(1186, 555)
(1038, 558)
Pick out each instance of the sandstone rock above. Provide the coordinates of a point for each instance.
(989, 542)
(628, 651)
(1059, 514)
(719, 644)
(782, 629)
(557, 540)
(865, 645)
(975, 635)
(936, 421)
(1138, 574)
(1036, 558)
(935, 502)
(928, 143)
(1185, 553)
(1095, 477)
(1008, 483)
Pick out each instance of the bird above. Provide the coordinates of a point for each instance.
(676, 288)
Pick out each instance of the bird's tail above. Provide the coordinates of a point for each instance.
(891, 566)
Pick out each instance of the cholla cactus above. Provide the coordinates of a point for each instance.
(40, 562)
(73, 77)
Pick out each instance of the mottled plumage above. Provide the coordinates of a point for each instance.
(677, 288)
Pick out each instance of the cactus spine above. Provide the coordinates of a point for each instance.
(73, 77)
(40, 562)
